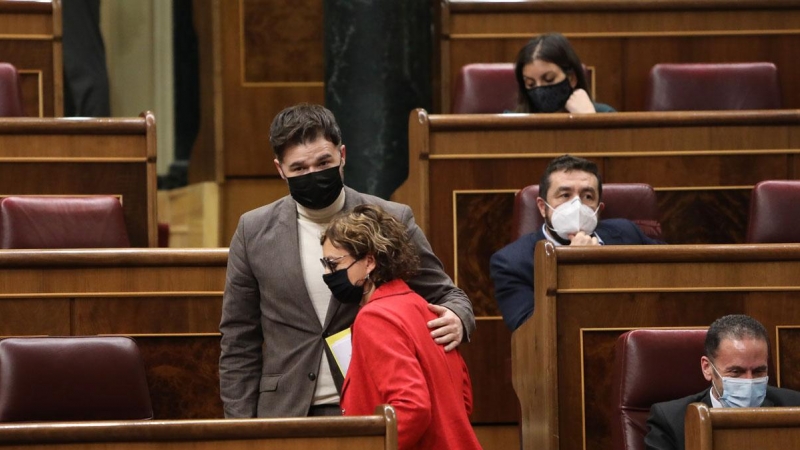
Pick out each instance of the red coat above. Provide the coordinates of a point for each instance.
(396, 361)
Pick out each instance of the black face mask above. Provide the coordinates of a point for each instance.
(341, 287)
(316, 190)
(550, 99)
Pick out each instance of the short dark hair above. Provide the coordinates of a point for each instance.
(553, 48)
(301, 124)
(733, 326)
(369, 230)
(568, 163)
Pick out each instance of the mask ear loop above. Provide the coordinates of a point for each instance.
(719, 396)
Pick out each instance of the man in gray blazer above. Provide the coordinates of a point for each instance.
(276, 309)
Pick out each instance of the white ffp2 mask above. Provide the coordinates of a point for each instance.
(573, 216)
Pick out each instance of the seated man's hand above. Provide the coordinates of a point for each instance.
(582, 238)
(447, 328)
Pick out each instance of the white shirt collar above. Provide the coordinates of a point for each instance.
(323, 215)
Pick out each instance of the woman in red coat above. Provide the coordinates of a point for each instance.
(367, 256)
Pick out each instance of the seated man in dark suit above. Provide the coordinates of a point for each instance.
(735, 363)
(569, 200)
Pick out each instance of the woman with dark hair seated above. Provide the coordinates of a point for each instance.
(367, 256)
(551, 79)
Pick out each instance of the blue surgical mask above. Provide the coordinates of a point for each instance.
(741, 392)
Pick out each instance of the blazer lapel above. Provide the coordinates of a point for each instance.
(288, 252)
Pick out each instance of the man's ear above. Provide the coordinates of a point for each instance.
(600, 208)
(278, 166)
(540, 203)
(343, 153)
(705, 365)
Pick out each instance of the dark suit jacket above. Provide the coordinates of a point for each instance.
(666, 422)
(512, 267)
(272, 341)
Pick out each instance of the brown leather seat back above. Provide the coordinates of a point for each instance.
(62, 222)
(10, 92)
(652, 366)
(483, 88)
(72, 379)
(774, 212)
(709, 87)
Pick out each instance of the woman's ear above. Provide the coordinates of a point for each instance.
(573, 80)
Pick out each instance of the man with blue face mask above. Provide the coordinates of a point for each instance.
(737, 351)
(569, 200)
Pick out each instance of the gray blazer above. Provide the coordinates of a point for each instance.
(272, 340)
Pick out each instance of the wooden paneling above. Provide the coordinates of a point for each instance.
(586, 297)
(257, 57)
(375, 432)
(85, 157)
(623, 39)
(264, 57)
(740, 428)
(465, 168)
(242, 195)
(170, 301)
(30, 39)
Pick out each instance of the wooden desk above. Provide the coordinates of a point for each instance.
(464, 170)
(586, 297)
(377, 432)
(621, 39)
(170, 301)
(733, 428)
(30, 39)
(77, 157)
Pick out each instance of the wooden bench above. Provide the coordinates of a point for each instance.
(30, 39)
(465, 169)
(735, 428)
(620, 39)
(81, 157)
(586, 297)
(170, 302)
(377, 432)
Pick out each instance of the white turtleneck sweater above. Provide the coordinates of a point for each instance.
(310, 225)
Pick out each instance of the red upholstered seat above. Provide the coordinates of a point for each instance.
(10, 92)
(652, 366)
(696, 87)
(485, 89)
(774, 212)
(72, 378)
(633, 201)
(62, 222)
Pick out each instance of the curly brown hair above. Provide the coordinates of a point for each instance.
(369, 230)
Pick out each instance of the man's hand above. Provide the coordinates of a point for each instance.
(579, 102)
(447, 329)
(582, 238)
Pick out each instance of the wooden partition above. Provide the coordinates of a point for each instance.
(465, 169)
(81, 157)
(377, 432)
(621, 39)
(586, 297)
(170, 302)
(30, 39)
(741, 428)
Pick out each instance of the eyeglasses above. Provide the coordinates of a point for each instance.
(331, 263)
